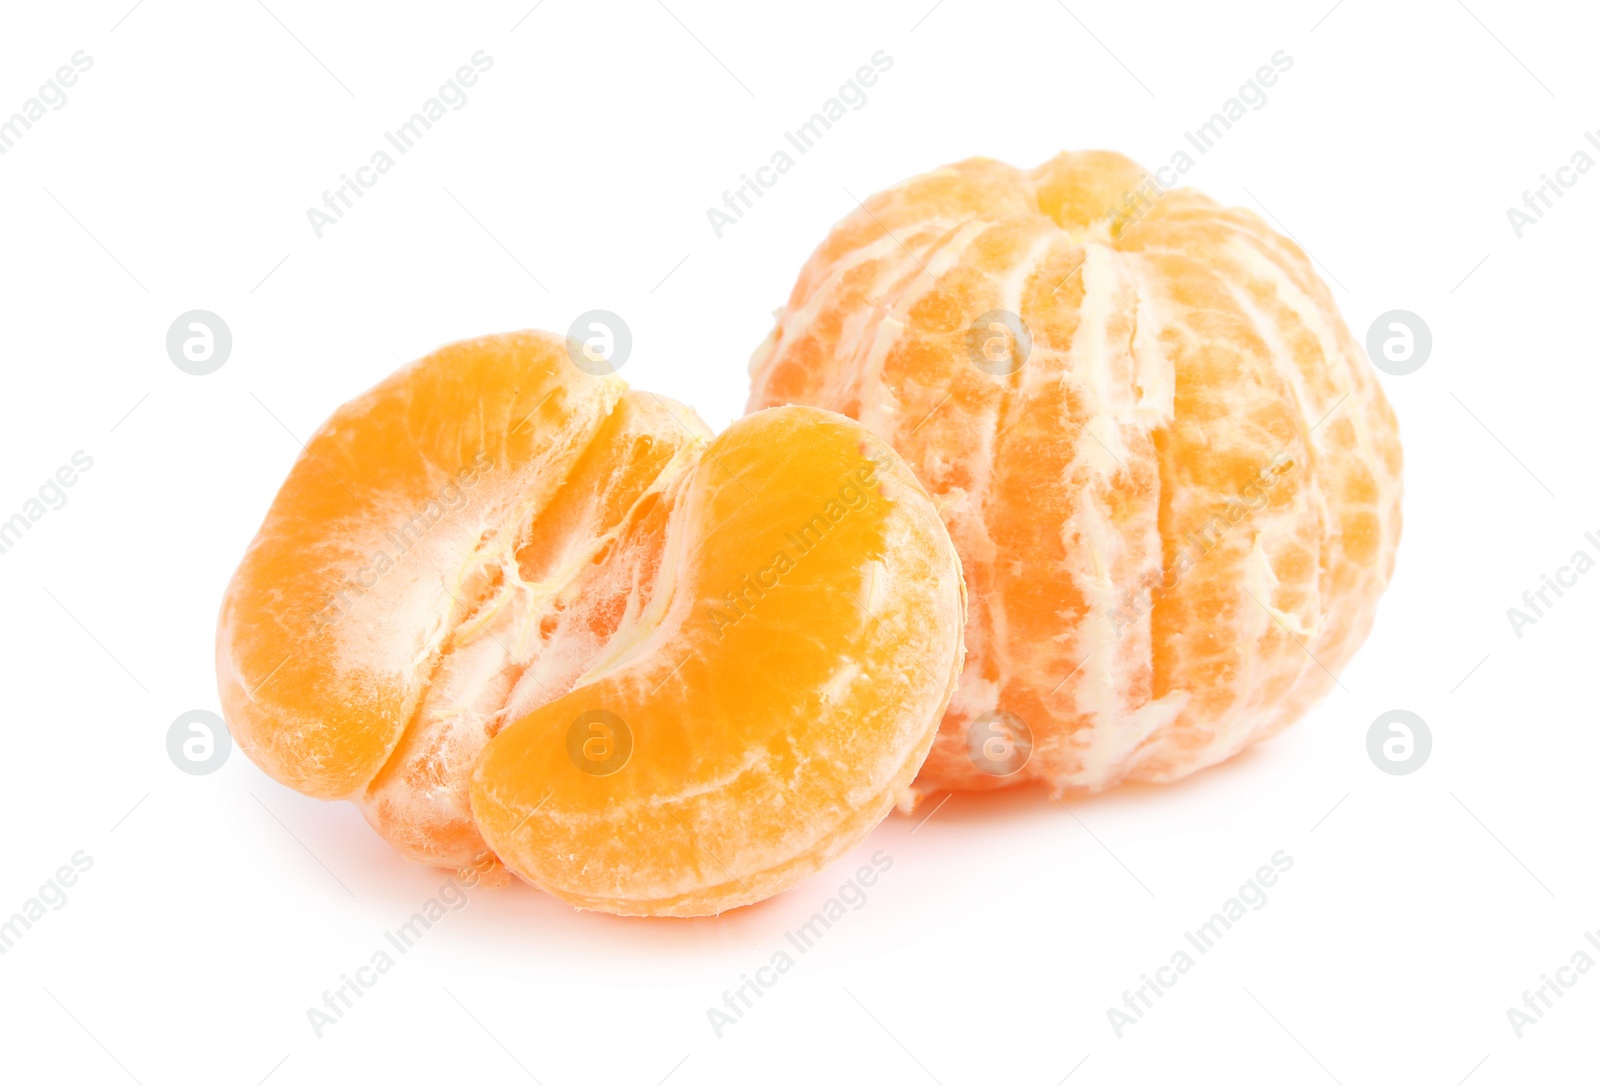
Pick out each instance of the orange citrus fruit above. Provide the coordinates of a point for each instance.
(516, 610)
(1172, 479)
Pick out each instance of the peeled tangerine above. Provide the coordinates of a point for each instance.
(514, 610)
(1173, 482)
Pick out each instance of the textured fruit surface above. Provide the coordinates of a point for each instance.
(1174, 483)
(780, 694)
(492, 543)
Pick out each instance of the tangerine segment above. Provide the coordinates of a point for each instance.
(771, 705)
(490, 529)
(554, 589)
(1173, 481)
(379, 547)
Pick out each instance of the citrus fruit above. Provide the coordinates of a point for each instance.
(513, 609)
(1173, 481)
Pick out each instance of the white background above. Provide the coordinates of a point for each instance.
(219, 908)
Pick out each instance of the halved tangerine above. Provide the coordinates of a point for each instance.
(501, 603)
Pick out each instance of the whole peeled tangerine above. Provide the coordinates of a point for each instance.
(517, 612)
(1171, 476)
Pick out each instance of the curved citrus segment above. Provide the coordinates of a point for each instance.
(1173, 481)
(773, 703)
(549, 595)
(369, 557)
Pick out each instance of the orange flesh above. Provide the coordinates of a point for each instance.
(777, 694)
(1176, 358)
(490, 538)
